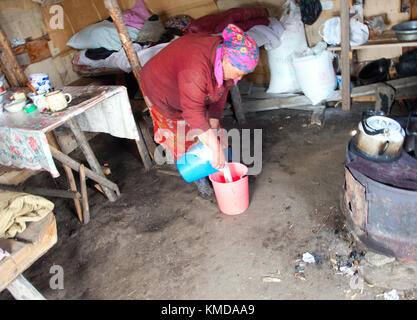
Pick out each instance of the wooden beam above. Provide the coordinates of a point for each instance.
(391, 44)
(43, 191)
(116, 14)
(345, 46)
(413, 7)
(37, 49)
(9, 64)
(301, 102)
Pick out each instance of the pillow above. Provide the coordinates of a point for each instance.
(100, 35)
(136, 16)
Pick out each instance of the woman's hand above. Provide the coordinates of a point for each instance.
(218, 161)
(214, 123)
(211, 139)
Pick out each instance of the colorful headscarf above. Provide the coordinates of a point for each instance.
(240, 49)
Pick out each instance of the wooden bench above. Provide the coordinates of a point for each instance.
(30, 245)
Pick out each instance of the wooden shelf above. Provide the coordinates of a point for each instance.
(379, 45)
(387, 39)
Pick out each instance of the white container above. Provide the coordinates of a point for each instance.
(15, 106)
(41, 83)
(2, 87)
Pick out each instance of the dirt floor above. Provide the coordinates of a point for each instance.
(160, 240)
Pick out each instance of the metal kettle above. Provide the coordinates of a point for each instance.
(379, 138)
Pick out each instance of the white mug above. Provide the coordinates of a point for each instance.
(57, 100)
(39, 101)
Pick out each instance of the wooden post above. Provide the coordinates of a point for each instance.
(345, 52)
(237, 104)
(86, 209)
(116, 14)
(9, 64)
(89, 155)
(413, 5)
(150, 143)
(52, 140)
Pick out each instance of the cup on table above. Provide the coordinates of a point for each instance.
(57, 100)
(41, 83)
(39, 101)
(18, 96)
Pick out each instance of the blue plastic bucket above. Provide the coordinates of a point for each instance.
(194, 164)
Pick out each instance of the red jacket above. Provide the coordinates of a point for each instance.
(180, 84)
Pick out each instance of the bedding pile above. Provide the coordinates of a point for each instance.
(100, 50)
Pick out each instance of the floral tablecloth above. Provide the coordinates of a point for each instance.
(23, 142)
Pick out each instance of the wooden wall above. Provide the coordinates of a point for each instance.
(274, 6)
(21, 19)
(25, 18)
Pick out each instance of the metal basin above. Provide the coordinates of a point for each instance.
(406, 31)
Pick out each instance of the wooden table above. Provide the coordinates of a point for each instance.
(27, 141)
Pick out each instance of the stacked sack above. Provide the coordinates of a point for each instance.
(295, 67)
(293, 40)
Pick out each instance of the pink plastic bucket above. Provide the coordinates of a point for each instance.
(232, 197)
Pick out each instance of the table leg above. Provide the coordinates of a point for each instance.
(91, 158)
(86, 209)
(52, 140)
(21, 289)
